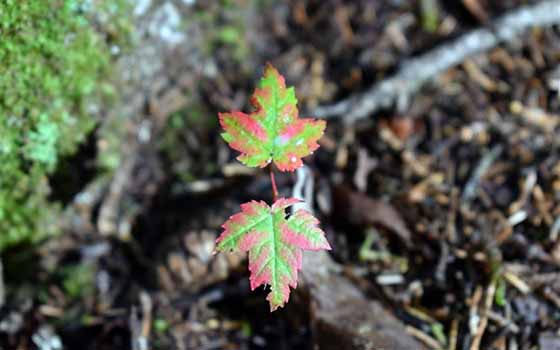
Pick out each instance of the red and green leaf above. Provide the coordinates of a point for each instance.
(273, 132)
(275, 244)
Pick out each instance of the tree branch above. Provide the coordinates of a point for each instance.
(415, 72)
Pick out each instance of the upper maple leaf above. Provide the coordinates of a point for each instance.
(274, 244)
(273, 132)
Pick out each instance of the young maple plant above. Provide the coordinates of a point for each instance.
(272, 135)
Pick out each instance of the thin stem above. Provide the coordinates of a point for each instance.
(274, 188)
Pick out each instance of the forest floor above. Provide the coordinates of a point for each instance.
(442, 208)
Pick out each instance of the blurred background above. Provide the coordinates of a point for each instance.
(437, 181)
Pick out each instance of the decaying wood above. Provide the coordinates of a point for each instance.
(417, 71)
(341, 315)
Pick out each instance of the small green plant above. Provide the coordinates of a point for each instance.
(272, 135)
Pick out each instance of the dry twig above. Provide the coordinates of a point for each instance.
(417, 71)
(140, 329)
(489, 298)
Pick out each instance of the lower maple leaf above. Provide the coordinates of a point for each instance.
(275, 244)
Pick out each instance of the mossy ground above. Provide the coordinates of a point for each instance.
(53, 65)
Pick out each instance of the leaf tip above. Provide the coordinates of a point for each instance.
(269, 68)
(326, 246)
(322, 125)
(276, 304)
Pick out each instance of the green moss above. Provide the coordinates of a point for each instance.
(430, 15)
(78, 280)
(52, 63)
(225, 27)
(160, 325)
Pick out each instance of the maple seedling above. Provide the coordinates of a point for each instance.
(272, 134)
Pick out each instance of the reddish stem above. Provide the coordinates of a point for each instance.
(274, 188)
